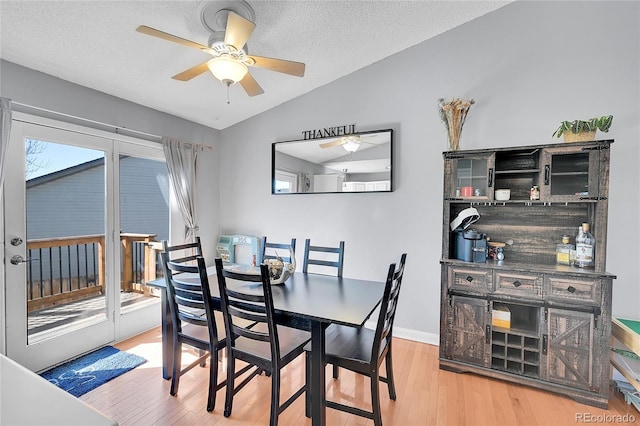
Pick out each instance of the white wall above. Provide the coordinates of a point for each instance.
(528, 65)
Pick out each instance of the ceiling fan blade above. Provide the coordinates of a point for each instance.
(337, 142)
(170, 37)
(238, 30)
(192, 72)
(279, 65)
(251, 86)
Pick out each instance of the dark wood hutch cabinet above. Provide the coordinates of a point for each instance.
(560, 316)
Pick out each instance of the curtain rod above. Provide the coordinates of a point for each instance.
(46, 113)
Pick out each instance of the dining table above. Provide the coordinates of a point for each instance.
(305, 301)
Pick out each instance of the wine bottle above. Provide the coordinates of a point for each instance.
(563, 252)
(585, 247)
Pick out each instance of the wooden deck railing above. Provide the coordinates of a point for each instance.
(68, 269)
(137, 256)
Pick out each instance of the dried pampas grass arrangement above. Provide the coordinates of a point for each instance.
(453, 114)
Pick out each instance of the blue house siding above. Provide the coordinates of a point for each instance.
(72, 203)
(144, 203)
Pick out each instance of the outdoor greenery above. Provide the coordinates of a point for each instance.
(576, 126)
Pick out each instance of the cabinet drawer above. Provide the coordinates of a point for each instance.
(470, 280)
(573, 290)
(519, 284)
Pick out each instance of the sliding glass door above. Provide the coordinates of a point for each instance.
(76, 206)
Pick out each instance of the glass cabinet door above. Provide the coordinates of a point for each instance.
(471, 176)
(571, 173)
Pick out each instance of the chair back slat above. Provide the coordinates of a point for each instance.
(273, 250)
(250, 334)
(310, 259)
(190, 301)
(246, 314)
(186, 259)
(384, 327)
(242, 277)
(184, 253)
(182, 264)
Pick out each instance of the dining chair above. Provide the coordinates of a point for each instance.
(267, 346)
(270, 250)
(363, 350)
(310, 257)
(195, 323)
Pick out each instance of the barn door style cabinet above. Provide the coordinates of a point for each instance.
(525, 318)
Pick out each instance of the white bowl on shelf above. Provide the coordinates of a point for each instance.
(502, 194)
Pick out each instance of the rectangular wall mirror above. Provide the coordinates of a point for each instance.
(359, 162)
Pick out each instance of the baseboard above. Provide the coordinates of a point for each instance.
(409, 334)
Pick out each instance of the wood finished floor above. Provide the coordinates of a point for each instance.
(426, 396)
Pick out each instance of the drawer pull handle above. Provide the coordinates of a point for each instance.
(571, 289)
(469, 278)
(517, 283)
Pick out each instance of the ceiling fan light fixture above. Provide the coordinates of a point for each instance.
(351, 143)
(227, 69)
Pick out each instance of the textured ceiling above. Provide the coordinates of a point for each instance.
(94, 44)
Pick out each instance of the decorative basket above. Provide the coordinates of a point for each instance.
(279, 271)
(583, 136)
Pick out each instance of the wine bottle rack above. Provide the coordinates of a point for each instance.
(515, 353)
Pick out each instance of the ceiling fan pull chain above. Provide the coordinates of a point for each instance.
(228, 85)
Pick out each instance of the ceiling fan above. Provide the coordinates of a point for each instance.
(350, 143)
(230, 60)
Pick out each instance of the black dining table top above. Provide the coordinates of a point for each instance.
(311, 297)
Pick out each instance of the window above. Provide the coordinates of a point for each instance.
(285, 182)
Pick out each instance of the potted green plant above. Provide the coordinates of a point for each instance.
(580, 130)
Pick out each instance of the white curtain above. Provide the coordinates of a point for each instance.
(5, 130)
(181, 163)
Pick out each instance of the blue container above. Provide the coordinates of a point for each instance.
(470, 246)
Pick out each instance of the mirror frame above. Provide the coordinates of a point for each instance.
(360, 155)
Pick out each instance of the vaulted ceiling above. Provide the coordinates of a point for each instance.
(95, 44)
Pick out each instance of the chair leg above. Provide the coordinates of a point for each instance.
(307, 387)
(375, 399)
(228, 401)
(390, 382)
(336, 371)
(275, 397)
(213, 380)
(177, 364)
